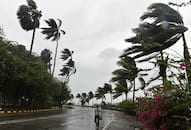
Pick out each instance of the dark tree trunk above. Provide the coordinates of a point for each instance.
(187, 62)
(32, 42)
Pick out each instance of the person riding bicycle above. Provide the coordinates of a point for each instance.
(98, 115)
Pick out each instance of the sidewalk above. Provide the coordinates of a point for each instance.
(121, 122)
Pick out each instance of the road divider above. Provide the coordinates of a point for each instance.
(27, 111)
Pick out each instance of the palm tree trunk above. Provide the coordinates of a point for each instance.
(126, 96)
(163, 67)
(111, 98)
(187, 59)
(56, 50)
(33, 36)
(133, 91)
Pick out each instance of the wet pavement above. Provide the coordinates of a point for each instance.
(78, 118)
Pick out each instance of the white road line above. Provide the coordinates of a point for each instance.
(108, 123)
(67, 123)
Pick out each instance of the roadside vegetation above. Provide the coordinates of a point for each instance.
(26, 79)
(167, 104)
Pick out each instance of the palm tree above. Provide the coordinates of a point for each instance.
(121, 87)
(127, 72)
(100, 93)
(78, 96)
(69, 67)
(157, 35)
(90, 96)
(83, 98)
(46, 58)
(108, 89)
(53, 32)
(186, 52)
(161, 33)
(29, 17)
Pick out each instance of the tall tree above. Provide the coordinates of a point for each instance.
(186, 52)
(100, 93)
(69, 67)
(29, 17)
(127, 72)
(164, 31)
(90, 96)
(121, 87)
(53, 32)
(157, 35)
(108, 89)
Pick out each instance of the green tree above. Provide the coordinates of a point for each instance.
(53, 32)
(45, 55)
(29, 17)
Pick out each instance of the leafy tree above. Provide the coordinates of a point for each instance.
(25, 84)
(46, 58)
(29, 17)
(53, 32)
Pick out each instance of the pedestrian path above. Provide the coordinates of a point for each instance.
(121, 122)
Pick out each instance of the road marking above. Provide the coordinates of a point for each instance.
(108, 123)
(67, 123)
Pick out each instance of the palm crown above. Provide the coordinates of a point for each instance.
(53, 32)
(164, 31)
(29, 16)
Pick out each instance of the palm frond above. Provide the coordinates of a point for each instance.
(31, 4)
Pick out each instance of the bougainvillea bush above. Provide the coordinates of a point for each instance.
(166, 110)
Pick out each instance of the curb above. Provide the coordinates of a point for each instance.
(27, 111)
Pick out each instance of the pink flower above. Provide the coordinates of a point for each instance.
(153, 115)
(163, 127)
(184, 66)
(157, 97)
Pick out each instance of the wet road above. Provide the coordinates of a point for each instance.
(78, 118)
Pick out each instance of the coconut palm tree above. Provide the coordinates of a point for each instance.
(108, 89)
(69, 67)
(161, 33)
(157, 35)
(128, 72)
(90, 96)
(29, 17)
(121, 87)
(186, 52)
(100, 93)
(53, 32)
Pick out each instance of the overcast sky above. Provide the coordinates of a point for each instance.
(95, 31)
